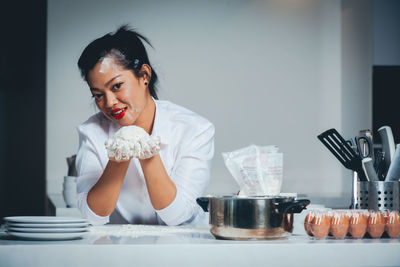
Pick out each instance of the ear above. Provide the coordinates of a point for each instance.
(145, 72)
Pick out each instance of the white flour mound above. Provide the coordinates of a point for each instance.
(132, 141)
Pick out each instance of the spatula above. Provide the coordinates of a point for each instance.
(388, 145)
(368, 167)
(342, 151)
(393, 173)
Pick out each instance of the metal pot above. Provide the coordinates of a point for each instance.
(246, 218)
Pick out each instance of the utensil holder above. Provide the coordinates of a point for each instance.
(377, 195)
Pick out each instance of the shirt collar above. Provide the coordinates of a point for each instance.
(161, 126)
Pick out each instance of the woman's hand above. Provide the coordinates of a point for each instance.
(132, 142)
(118, 161)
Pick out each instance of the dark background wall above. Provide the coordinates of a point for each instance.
(386, 99)
(386, 30)
(386, 70)
(23, 108)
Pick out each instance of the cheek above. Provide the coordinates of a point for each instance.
(99, 105)
(127, 96)
(132, 97)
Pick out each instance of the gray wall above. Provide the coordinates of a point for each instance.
(356, 74)
(264, 72)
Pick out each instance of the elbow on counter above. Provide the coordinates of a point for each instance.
(183, 211)
(94, 219)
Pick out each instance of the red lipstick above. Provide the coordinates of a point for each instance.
(117, 113)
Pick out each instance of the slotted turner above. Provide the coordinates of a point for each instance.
(342, 151)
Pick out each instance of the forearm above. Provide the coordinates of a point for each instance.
(103, 196)
(161, 188)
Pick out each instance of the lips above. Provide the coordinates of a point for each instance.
(118, 113)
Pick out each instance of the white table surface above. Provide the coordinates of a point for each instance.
(174, 246)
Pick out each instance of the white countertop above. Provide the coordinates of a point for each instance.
(181, 246)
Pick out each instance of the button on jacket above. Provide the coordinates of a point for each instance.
(187, 148)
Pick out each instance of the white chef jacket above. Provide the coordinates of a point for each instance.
(187, 148)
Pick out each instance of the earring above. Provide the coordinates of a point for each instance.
(145, 83)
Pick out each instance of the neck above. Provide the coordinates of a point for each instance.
(146, 119)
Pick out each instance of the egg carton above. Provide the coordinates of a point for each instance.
(355, 224)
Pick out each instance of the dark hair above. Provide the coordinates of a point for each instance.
(126, 47)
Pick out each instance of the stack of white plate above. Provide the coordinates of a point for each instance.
(46, 227)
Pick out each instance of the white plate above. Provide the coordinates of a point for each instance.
(46, 236)
(48, 225)
(46, 230)
(43, 219)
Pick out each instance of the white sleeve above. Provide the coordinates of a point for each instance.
(89, 170)
(191, 176)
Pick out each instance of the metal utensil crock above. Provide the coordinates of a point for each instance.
(246, 218)
(378, 195)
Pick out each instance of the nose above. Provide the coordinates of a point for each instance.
(110, 100)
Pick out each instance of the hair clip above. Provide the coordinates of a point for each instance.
(136, 63)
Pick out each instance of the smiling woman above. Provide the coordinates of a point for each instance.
(160, 184)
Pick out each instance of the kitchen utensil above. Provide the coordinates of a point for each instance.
(354, 203)
(351, 144)
(368, 134)
(369, 170)
(361, 145)
(258, 217)
(388, 145)
(342, 151)
(379, 165)
(378, 195)
(364, 146)
(393, 173)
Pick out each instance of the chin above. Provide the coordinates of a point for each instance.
(123, 122)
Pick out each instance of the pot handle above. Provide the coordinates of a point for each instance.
(295, 206)
(203, 202)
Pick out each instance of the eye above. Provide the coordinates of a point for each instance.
(117, 86)
(97, 97)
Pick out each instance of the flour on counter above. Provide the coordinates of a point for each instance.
(132, 141)
(144, 230)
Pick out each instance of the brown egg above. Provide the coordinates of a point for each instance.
(339, 225)
(392, 226)
(376, 224)
(307, 223)
(320, 225)
(358, 224)
(329, 214)
(386, 213)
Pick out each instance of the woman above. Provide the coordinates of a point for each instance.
(158, 189)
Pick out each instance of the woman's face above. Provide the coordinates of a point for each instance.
(117, 92)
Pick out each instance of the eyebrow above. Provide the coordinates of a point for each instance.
(106, 84)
